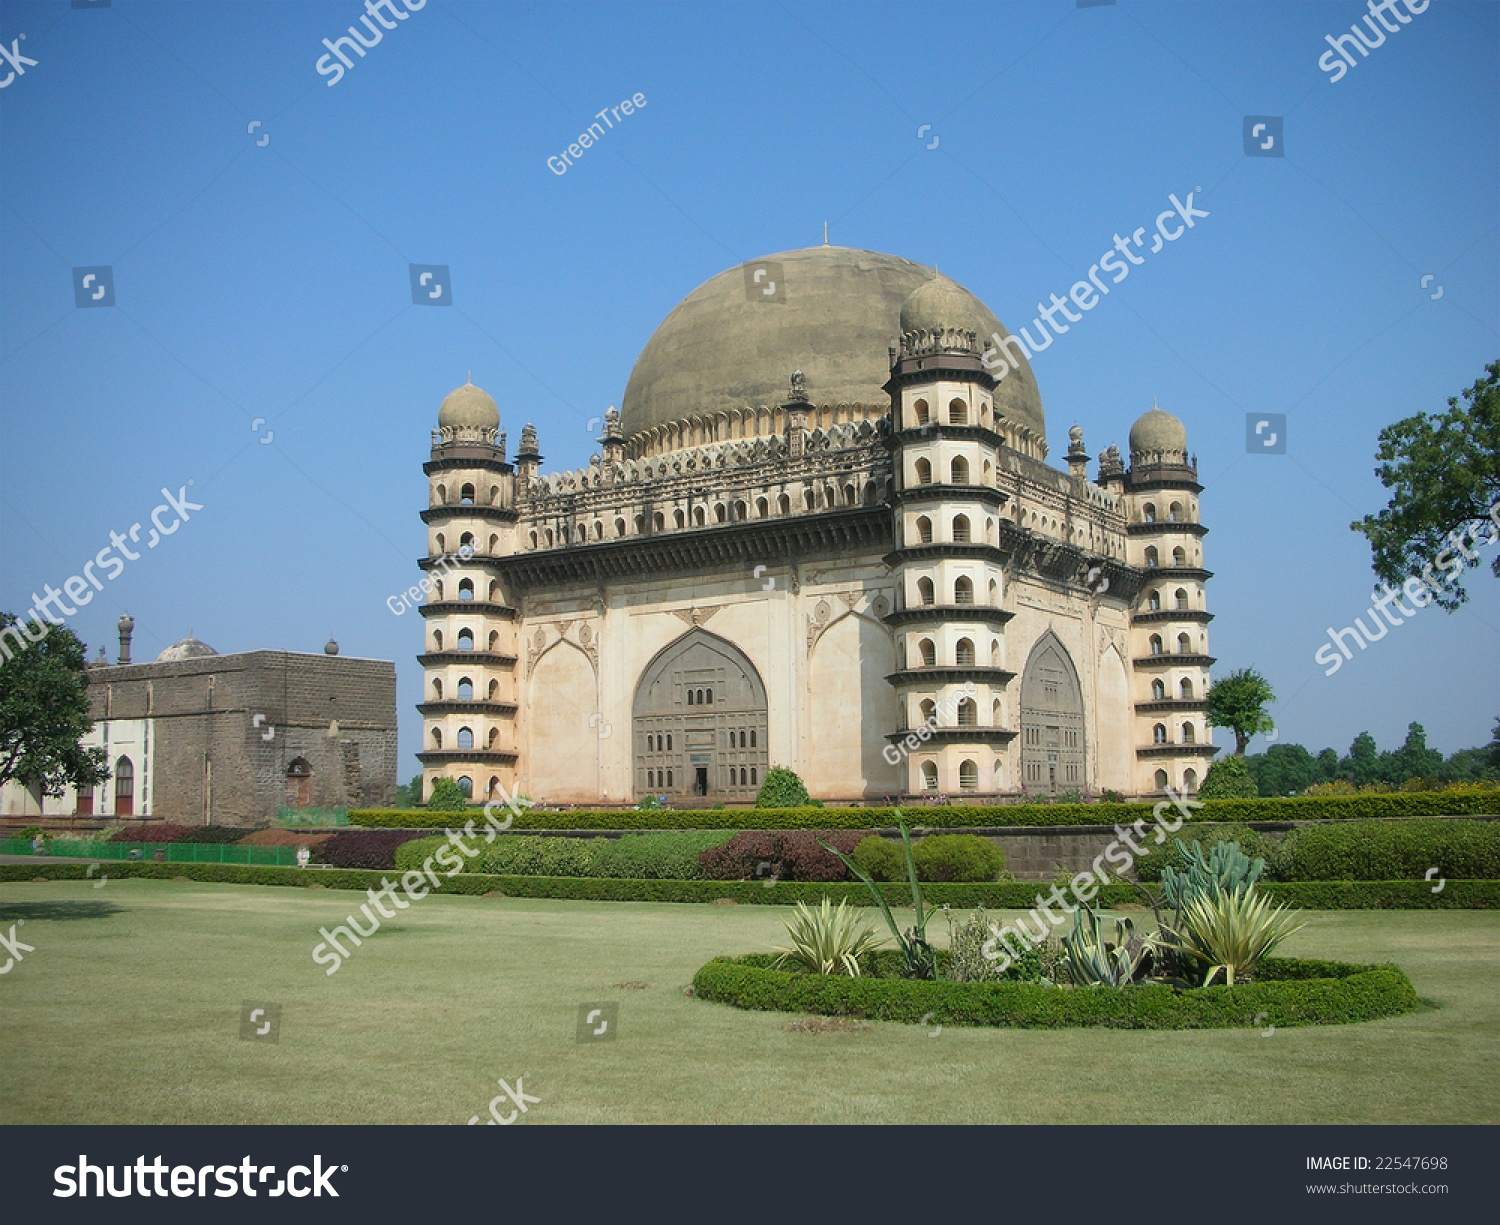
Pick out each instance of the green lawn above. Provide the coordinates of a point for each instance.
(128, 1011)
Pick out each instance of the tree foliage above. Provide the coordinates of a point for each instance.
(44, 713)
(782, 789)
(1229, 778)
(1238, 702)
(1285, 769)
(447, 796)
(1444, 471)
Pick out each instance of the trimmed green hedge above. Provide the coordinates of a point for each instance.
(1326, 895)
(1286, 993)
(964, 816)
(1395, 850)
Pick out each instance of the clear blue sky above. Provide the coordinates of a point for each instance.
(272, 281)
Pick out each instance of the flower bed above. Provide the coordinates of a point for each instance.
(1286, 992)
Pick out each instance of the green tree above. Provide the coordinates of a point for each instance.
(1284, 769)
(1328, 765)
(1228, 778)
(1362, 766)
(409, 795)
(1494, 745)
(1445, 474)
(1414, 759)
(447, 796)
(782, 789)
(1238, 702)
(44, 713)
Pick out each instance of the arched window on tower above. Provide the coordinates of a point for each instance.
(466, 640)
(783, 505)
(437, 738)
(1154, 603)
(1158, 690)
(924, 591)
(1185, 689)
(762, 508)
(1159, 734)
(807, 499)
(1162, 780)
(968, 776)
(721, 513)
(958, 412)
(437, 688)
(465, 689)
(124, 787)
(1184, 645)
(921, 412)
(619, 528)
(929, 776)
(494, 691)
(465, 738)
(466, 495)
(1182, 600)
(640, 525)
(963, 590)
(960, 470)
(1148, 512)
(1188, 736)
(924, 472)
(466, 784)
(994, 594)
(437, 640)
(968, 713)
(960, 529)
(1190, 780)
(994, 652)
(1155, 641)
(963, 653)
(928, 653)
(1174, 513)
(699, 518)
(465, 589)
(928, 710)
(924, 530)
(851, 496)
(1179, 556)
(1151, 557)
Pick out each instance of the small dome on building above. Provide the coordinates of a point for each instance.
(331, 648)
(1158, 431)
(941, 303)
(469, 406)
(188, 648)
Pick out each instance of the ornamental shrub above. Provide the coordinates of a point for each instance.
(957, 857)
(782, 789)
(881, 858)
(1391, 850)
(212, 834)
(153, 833)
(671, 856)
(1229, 779)
(363, 848)
(447, 796)
(783, 854)
(535, 855)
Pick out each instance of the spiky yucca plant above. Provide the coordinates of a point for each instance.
(1231, 932)
(828, 940)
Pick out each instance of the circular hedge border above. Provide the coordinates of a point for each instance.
(1287, 992)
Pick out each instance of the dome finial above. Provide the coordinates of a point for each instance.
(825, 233)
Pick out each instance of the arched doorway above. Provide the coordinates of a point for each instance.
(299, 784)
(1052, 745)
(699, 722)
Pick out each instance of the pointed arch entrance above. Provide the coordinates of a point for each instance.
(1052, 744)
(699, 722)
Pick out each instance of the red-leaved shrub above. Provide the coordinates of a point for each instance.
(785, 854)
(366, 848)
(153, 833)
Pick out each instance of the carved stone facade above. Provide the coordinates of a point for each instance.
(859, 582)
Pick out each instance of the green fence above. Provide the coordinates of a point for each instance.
(170, 852)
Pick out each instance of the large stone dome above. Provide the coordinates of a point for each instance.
(469, 406)
(834, 316)
(188, 648)
(1158, 432)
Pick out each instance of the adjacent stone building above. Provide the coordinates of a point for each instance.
(820, 534)
(196, 736)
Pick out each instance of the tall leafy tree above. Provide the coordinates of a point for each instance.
(44, 713)
(1444, 471)
(1284, 769)
(1238, 702)
(1328, 765)
(1414, 759)
(1363, 763)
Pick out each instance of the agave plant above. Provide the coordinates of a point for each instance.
(1230, 932)
(1089, 960)
(828, 940)
(1226, 869)
(919, 959)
